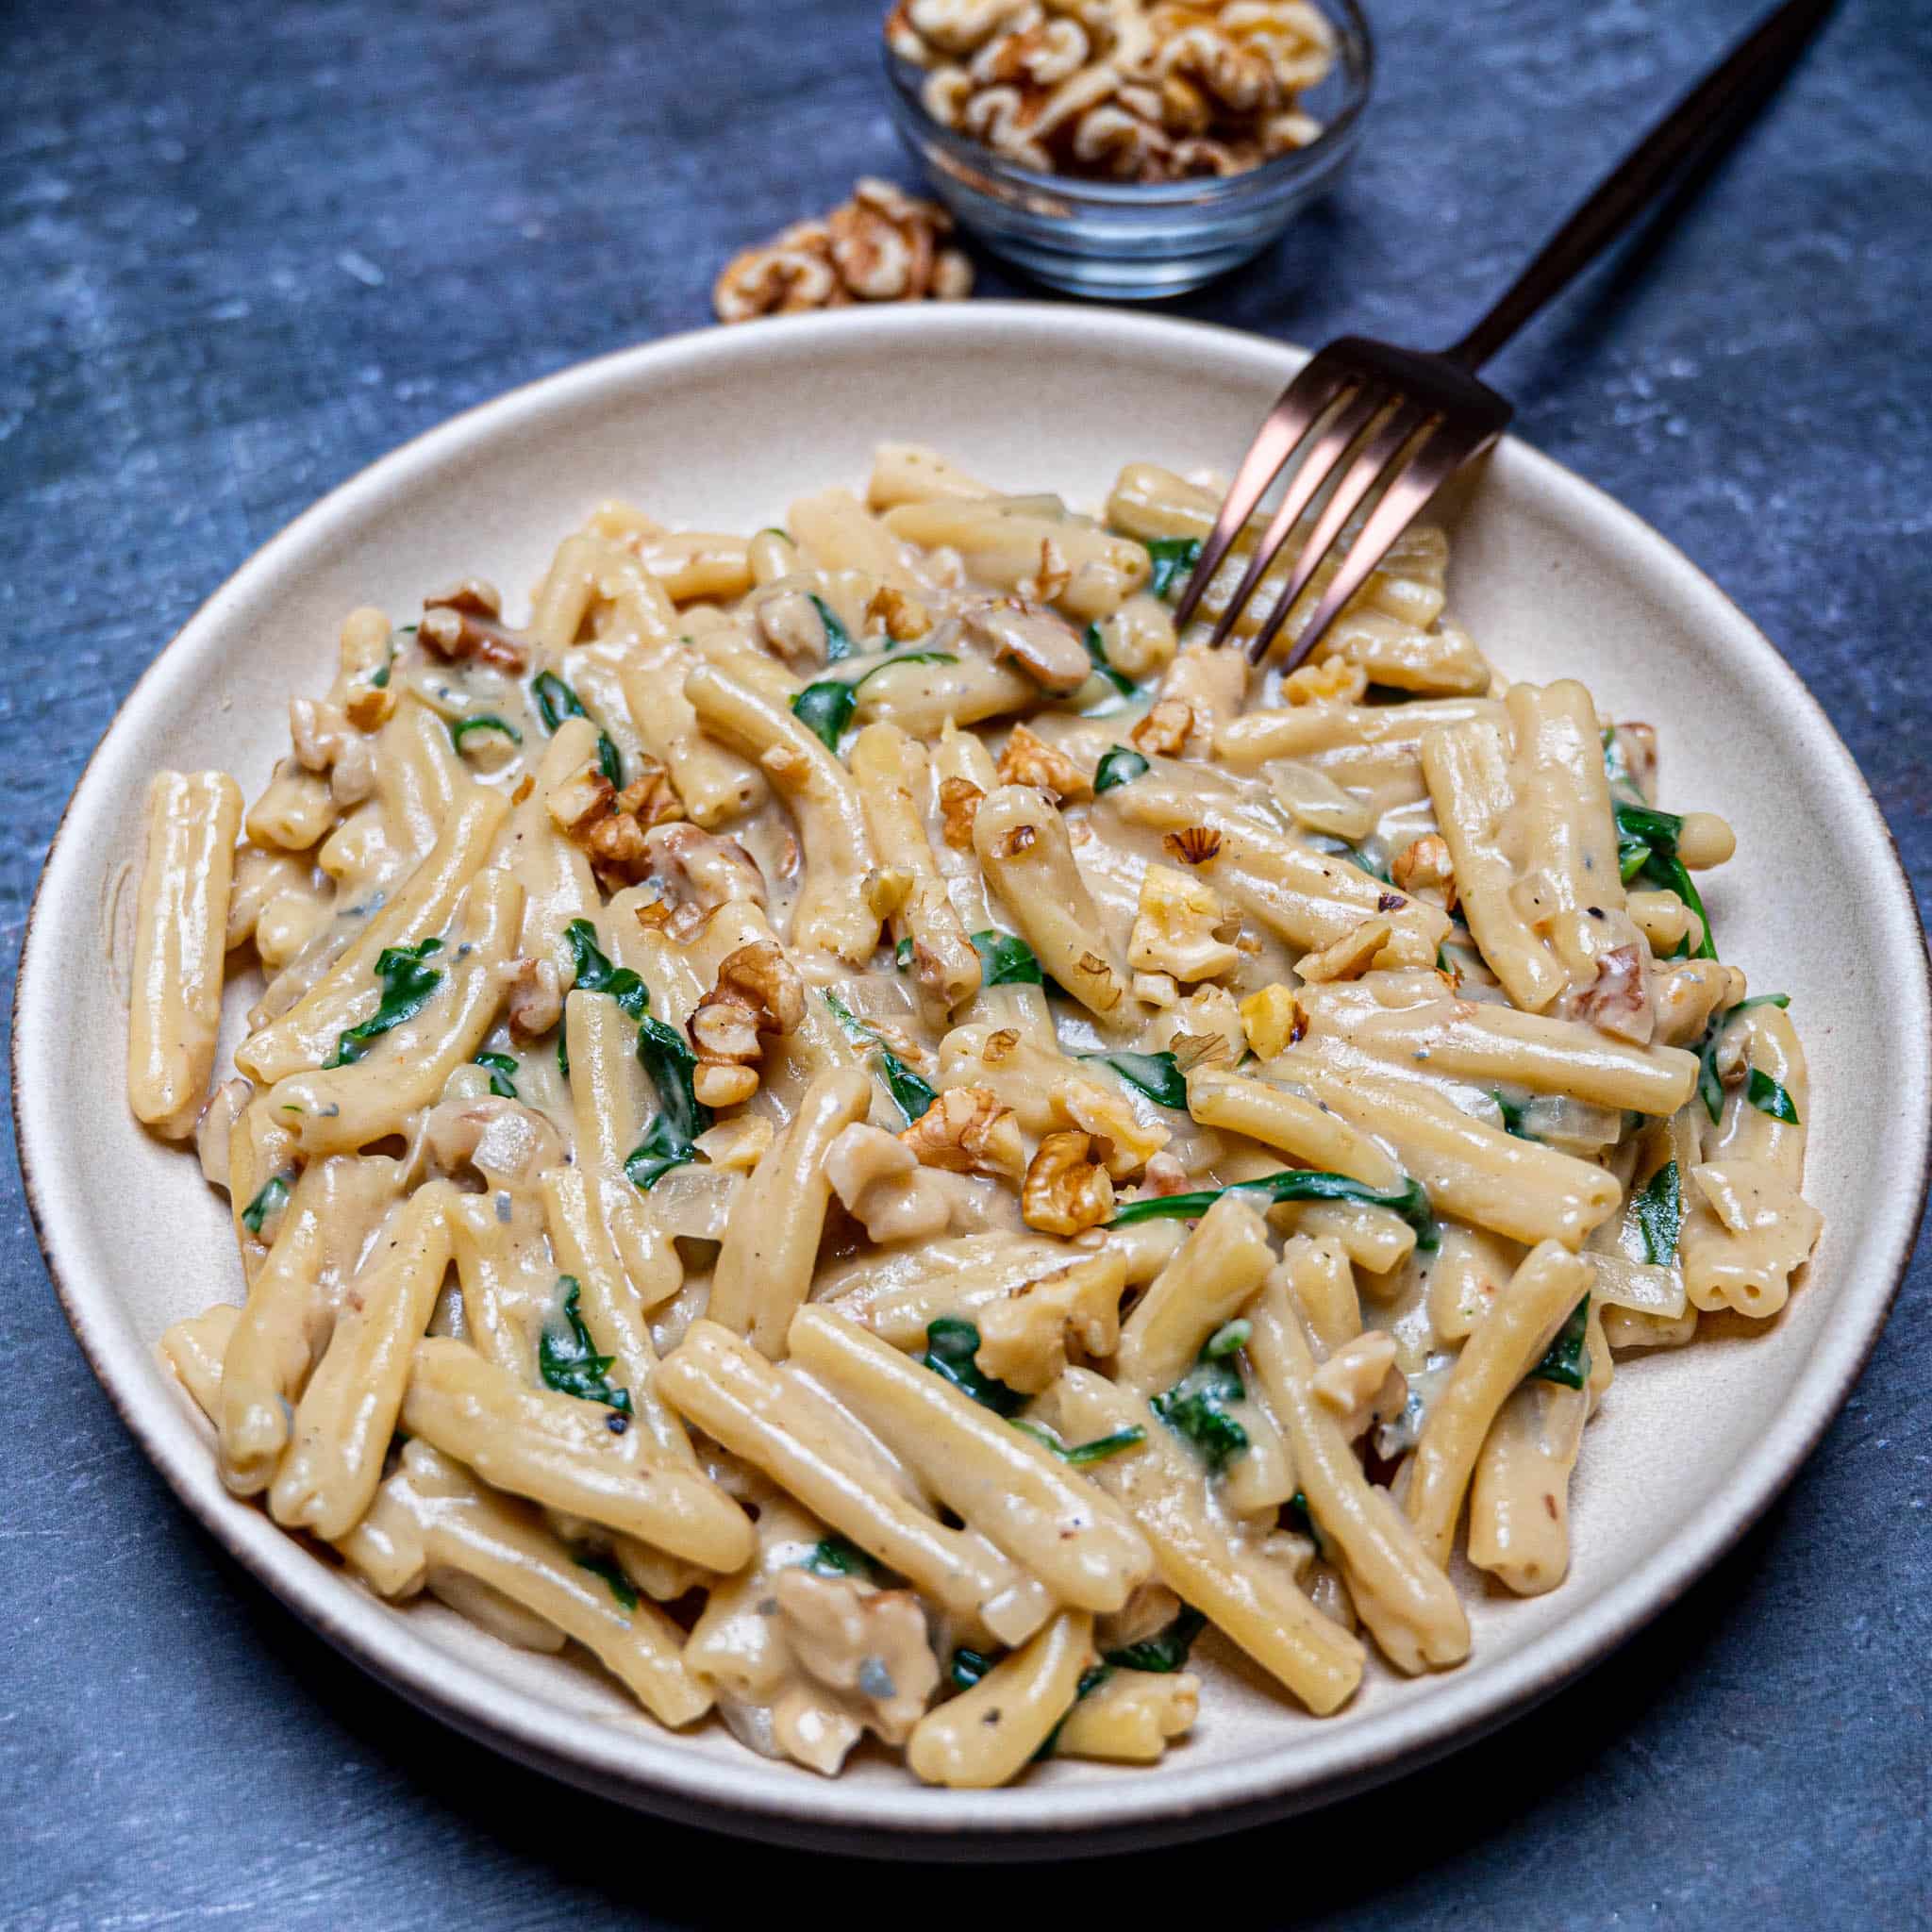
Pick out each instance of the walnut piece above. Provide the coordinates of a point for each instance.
(1030, 759)
(1425, 870)
(960, 803)
(882, 1186)
(1043, 644)
(535, 996)
(466, 621)
(1178, 926)
(901, 617)
(1274, 1021)
(612, 826)
(507, 1142)
(698, 871)
(324, 740)
(1347, 958)
(883, 245)
(1024, 1338)
(969, 1130)
(1333, 681)
(1163, 732)
(757, 991)
(1065, 1191)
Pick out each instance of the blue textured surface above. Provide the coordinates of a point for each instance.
(247, 250)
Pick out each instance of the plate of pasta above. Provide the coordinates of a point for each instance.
(820, 1178)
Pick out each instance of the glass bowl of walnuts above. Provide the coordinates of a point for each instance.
(1128, 149)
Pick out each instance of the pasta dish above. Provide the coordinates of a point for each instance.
(847, 1124)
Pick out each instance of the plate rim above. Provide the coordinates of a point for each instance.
(639, 1767)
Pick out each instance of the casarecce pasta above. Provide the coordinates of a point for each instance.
(852, 1126)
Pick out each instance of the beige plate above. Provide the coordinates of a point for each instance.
(723, 429)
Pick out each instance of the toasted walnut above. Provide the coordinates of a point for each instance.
(369, 706)
(739, 1144)
(1192, 844)
(1333, 681)
(1065, 1191)
(1203, 1030)
(1177, 925)
(465, 623)
(757, 991)
(969, 1130)
(1274, 1021)
(617, 849)
(580, 801)
(1617, 1001)
(790, 622)
(535, 996)
(1360, 1384)
(1156, 989)
(960, 803)
(1163, 732)
(1165, 1176)
(1043, 646)
(870, 1643)
(698, 871)
(1024, 1338)
(1052, 576)
(650, 798)
(901, 618)
(1347, 958)
(1425, 870)
(1122, 1142)
(324, 742)
(882, 245)
(884, 1187)
(1030, 759)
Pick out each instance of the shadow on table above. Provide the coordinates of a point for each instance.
(1443, 1812)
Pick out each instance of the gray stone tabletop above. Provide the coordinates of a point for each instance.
(244, 250)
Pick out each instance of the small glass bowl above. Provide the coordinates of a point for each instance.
(1126, 241)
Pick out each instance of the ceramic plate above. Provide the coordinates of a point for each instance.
(722, 430)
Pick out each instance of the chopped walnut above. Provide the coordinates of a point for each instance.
(1065, 1190)
(790, 622)
(1333, 681)
(535, 996)
(1360, 1384)
(1617, 1001)
(325, 742)
(1203, 1030)
(1024, 1338)
(757, 991)
(737, 1144)
(466, 623)
(960, 803)
(1274, 1021)
(885, 888)
(1178, 927)
(611, 825)
(871, 1644)
(1156, 989)
(901, 618)
(1192, 844)
(1349, 957)
(880, 247)
(883, 1187)
(1165, 1176)
(1122, 1142)
(698, 871)
(1163, 732)
(1052, 576)
(969, 1130)
(580, 801)
(1030, 759)
(1425, 870)
(1043, 644)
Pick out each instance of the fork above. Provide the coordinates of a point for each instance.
(1391, 424)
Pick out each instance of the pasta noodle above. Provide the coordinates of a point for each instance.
(851, 1125)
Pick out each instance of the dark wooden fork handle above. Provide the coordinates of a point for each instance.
(1712, 111)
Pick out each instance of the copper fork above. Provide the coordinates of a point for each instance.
(1384, 428)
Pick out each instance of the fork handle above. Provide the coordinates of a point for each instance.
(1717, 108)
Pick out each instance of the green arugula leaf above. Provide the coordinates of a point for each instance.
(1082, 1453)
(838, 638)
(1174, 558)
(1006, 959)
(950, 1346)
(1167, 1650)
(826, 709)
(502, 1072)
(912, 1093)
(569, 1361)
(1648, 848)
(595, 972)
(460, 729)
(1294, 1184)
(1117, 766)
(406, 984)
(1156, 1074)
(271, 1197)
(1767, 1096)
(620, 1585)
(1660, 1210)
(1567, 1360)
(1195, 1408)
(1097, 649)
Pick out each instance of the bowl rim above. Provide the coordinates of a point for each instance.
(1284, 171)
(634, 1763)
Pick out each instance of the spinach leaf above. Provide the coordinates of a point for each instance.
(681, 1116)
(1304, 1520)
(968, 1667)
(1294, 1184)
(1196, 1408)
(1174, 558)
(406, 984)
(460, 729)
(834, 1557)
(595, 974)
(906, 1087)
(1006, 959)
(1097, 649)
(502, 1072)
(901, 953)
(826, 709)
(950, 1346)
(1660, 1210)
(1167, 1650)
(1648, 848)
(1156, 1074)
(1710, 1089)
(1567, 1360)
(557, 701)
(620, 1585)
(569, 1360)
(1767, 1096)
(1512, 1112)
(838, 638)
(1230, 1339)
(656, 1154)
(608, 760)
(1081, 1453)
(270, 1199)
(1117, 766)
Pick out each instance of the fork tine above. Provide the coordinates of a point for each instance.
(1300, 404)
(1320, 462)
(1430, 464)
(1376, 455)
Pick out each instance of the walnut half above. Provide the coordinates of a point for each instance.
(1066, 1191)
(969, 1130)
(757, 991)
